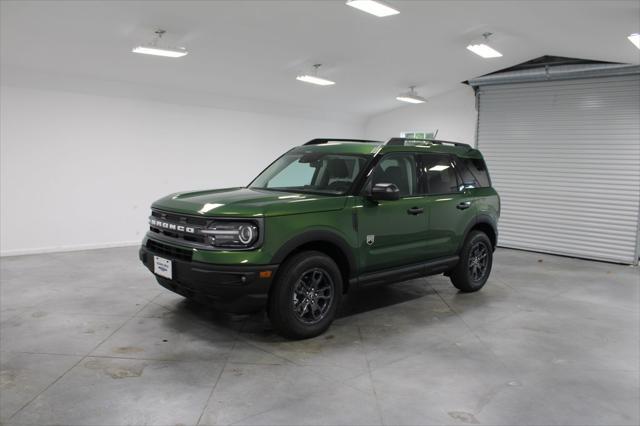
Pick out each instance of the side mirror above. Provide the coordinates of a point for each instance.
(385, 191)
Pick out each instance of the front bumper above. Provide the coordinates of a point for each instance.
(237, 288)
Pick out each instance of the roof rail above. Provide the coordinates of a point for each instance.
(402, 141)
(325, 140)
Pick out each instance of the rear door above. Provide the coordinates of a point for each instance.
(393, 233)
(450, 207)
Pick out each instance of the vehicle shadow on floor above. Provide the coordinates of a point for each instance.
(256, 326)
(383, 296)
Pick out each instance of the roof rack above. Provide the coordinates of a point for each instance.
(325, 140)
(390, 142)
(402, 141)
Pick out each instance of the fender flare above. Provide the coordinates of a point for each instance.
(480, 219)
(314, 236)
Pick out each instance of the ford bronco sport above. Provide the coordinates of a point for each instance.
(323, 219)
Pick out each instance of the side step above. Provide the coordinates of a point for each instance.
(393, 275)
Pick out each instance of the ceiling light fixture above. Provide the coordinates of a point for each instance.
(635, 39)
(314, 79)
(153, 49)
(376, 7)
(411, 96)
(483, 49)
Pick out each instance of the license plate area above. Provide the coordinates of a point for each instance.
(162, 267)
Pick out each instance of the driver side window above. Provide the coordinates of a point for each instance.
(399, 169)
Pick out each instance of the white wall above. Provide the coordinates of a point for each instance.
(453, 113)
(80, 171)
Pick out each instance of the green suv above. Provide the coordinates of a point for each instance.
(324, 219)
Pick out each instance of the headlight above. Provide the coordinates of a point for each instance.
(237, 235)
(246, 234)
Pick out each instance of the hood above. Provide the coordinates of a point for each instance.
(247, 202)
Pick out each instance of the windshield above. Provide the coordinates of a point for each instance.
(313, 172)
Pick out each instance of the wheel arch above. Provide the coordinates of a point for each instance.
(485, 224)
(488, 225)
(327, 242)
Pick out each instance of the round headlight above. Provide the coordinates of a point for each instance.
(246, 234)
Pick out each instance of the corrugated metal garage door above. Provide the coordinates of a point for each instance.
(565, 158)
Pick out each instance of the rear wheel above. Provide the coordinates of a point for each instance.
(474, 267)
(305, 296)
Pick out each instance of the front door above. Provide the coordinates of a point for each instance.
(393, 233)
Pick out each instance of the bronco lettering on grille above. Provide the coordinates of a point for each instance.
(171, 226)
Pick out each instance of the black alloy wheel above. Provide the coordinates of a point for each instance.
(478, 260)
(312, 296)
(305, 295)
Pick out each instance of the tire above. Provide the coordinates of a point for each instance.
(474, 267)
(295, 309)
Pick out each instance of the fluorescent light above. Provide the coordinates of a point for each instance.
(376, 8)
(153, 47)
(635, 39)
(161, 51)
(438, 168)
(410, 99)
(484, 50)
(411, 96)
(315, 80)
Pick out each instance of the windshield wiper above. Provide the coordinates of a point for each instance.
(296, 190)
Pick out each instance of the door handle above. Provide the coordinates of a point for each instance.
(464, 205)
(415, 210)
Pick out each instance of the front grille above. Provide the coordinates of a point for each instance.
(175, 252)
(186, 237)
(178, 218)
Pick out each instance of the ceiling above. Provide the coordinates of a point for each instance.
(249, 52)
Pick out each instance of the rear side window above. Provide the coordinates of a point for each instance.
(437, 175)
(478, 169)
(468, 179)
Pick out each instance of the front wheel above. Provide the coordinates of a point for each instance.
(305, 296)
(474, 267)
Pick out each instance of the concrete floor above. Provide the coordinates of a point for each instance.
(89, 338)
